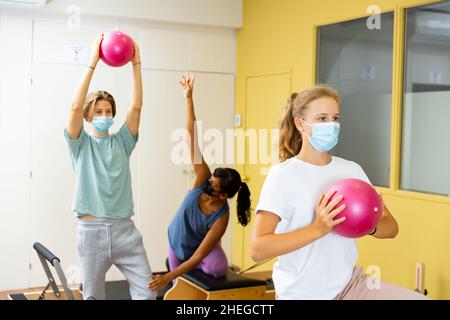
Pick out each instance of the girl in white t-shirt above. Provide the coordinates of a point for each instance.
(293, 220)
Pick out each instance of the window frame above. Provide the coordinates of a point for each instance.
(398, 75)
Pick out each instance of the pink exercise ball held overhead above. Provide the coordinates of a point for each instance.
(116, 49)
(363, 208)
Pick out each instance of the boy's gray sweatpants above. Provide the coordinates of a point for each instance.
(103, 243)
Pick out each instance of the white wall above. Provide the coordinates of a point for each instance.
(34, 45)
(226, 13)
(15, 66)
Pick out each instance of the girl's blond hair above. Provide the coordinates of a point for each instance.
(290, 138)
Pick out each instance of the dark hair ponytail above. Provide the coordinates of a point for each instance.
(230, 184)
(243, 204)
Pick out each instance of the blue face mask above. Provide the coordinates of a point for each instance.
(325, 136)
(102, 124)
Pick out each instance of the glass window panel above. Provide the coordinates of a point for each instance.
(426, 103)
(357, 61)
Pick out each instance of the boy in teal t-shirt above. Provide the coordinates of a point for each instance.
(103, 201)
(103, 187)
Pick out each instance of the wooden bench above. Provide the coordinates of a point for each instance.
(196, 285)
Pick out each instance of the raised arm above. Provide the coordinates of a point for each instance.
(134, 113)
(387, 227)
(201, 169)
(75, 123)
(264, 243)
(209, 242)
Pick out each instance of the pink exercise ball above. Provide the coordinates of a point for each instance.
(363, 207)
(116, 49)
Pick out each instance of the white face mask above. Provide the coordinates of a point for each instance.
(325, 135)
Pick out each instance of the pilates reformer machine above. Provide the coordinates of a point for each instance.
(196, 285)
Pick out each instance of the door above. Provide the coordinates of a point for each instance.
(265, 99)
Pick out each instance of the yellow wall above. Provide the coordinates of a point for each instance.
(278, 39)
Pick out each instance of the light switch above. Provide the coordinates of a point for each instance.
(237, 120)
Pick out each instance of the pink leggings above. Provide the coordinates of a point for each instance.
(215, 263)
(357, 289)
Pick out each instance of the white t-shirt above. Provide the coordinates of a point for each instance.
(322, 269)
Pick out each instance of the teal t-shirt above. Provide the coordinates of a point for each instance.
(103, 177)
